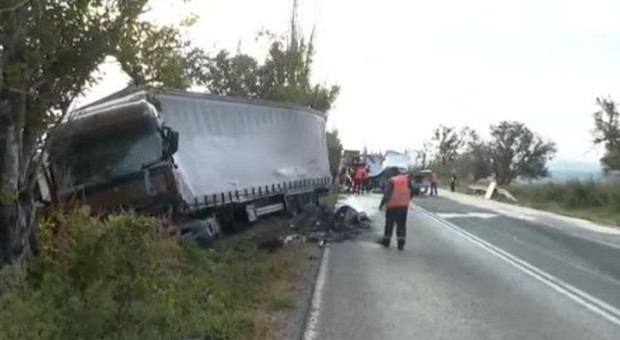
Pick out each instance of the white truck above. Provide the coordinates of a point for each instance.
(205, 160)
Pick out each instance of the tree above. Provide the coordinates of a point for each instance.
(447, 143)
(232, 76)
(283, 76)
(48, 52)
(518, 152)
(607, 132)
(478, 156)
(424, 155)
(334, 151)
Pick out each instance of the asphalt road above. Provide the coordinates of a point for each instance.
(470, 273)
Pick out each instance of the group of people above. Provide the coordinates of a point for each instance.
(360, 178)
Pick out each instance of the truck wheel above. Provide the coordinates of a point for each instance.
(203, 231)
(292, 205)
(213, 228)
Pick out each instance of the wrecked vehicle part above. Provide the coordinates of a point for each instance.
(294, 239)
(203, 231)
(186, 155)
(329, 226)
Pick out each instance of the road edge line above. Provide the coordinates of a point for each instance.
(312, 319)
(588, 301)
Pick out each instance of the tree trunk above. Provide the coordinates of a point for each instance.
(16, 201)
(17, 145)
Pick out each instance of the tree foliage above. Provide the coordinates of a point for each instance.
(447, 143)
(232, 75)
(607, 132)
(423, 156)
(334, 150)
(283, 76)
(479, 156)
(48, 52)
(517, 152)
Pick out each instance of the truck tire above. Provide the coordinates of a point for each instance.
(203, 231)
(292, 205)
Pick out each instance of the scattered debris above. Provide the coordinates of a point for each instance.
(294, 239)
(329, 226)
(320, 224)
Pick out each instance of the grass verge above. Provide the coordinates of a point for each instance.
(123, 277)
(590, 200)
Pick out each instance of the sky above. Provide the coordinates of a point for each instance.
(407, 66)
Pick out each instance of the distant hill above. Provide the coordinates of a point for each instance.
(564, 171)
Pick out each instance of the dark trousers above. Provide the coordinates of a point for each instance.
(357, 186)
(396, 216)
(452, 186)
(433, 189)
(365, 185)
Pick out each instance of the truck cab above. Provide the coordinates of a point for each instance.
(114, 158)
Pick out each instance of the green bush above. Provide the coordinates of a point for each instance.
(591, 199)
(123, 277)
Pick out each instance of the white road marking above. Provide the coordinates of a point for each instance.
(470, 214)
(602, 308)
(312, 325)
(529, 213)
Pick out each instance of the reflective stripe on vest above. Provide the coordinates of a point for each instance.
(400, 193)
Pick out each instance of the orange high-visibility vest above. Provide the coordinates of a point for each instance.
(401, 194)
(359, 173)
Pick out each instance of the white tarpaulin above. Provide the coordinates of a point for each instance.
(235, 145)
(374, 169)
(395, 159)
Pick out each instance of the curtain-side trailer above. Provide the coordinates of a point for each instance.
(201, 158)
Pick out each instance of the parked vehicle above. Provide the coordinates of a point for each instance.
(421, 184)
(203, 159)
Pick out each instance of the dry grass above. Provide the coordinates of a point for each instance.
(280, 274)
(278, 292)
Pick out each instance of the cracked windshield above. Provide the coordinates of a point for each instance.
(309, 169)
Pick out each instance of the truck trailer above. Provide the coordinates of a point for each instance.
(205, 160)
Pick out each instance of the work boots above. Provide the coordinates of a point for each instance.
(401, 245)
(385, 242)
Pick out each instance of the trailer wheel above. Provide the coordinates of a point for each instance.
(292, 205)
(203, 231)
(213, 228)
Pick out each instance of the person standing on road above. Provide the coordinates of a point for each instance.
(365, 179)
(398, 194)
(453, 183)
(433, 180)
(358, 179)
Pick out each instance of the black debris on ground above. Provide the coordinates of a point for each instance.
(323, 224)
(319, 224)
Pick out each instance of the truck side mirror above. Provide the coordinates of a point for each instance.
(171, 142)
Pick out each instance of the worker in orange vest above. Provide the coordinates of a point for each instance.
(365, 180)
(358, 179)
(398, 193)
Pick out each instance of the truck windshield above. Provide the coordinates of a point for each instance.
(107, 154)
